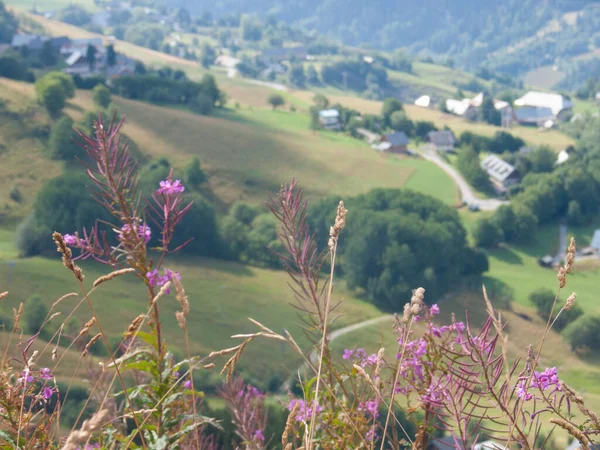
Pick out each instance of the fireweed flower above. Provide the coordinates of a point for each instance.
(47, 393)
(187, 384)
(45, 374)
(371, 435)
(70, 239)
(305, 410)
(26, 377)
(156, 280)
(434, 310)
(371, 407)
(259, 435)
(143, 231)
(543, 381)
(169, 187)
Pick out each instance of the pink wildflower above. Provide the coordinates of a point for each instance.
(169, 187)
(434, 310)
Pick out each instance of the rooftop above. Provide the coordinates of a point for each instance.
(555, 102)
(497, 168)
(441, 138)
(329, 113)
(397, 139)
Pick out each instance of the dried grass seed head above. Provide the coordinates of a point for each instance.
(570, 301)
(338, 225)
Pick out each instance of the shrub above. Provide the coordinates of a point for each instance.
(51, 94)
(35, 312)
(487, 234)
(62, 144)
(101, 96)
(583, 333)
(543, 299)
(193, 174)
(15, 194)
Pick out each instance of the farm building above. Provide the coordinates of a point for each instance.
(536, 108)
(501, 173)
(424, 101)
(442, 140)
(330, 119)
(394, 143)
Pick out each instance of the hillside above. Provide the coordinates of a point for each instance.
(495, 33)
(250, 152)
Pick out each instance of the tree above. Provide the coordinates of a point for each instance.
(250, 29)
(101, 96)
(193, 174)
(14, 66)
(543, 300)
(201, 104)
(399, 121)
(583, 333)
(423, 127)
(312, 76)
(48, 55)
(487, 234)
(207, 55)
(200, 223)
(390, 105)
(275, 100)
(469, 165)
(90, 55)
(8, 25)
(51, 94)
(320, 101)
(34, 314)
(542, 159)
(488, 113)
(111, 55)
(396, 239)
(296, 75)
(61, 143)
(315, 123)
(65, 81)
(574, 216)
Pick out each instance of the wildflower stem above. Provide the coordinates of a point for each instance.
(89, 302)
(313, 419)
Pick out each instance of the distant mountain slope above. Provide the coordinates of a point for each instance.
(472, 32)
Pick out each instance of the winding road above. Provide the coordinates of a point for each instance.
(467, 194)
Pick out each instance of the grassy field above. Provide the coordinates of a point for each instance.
(222, 295)
(23, 158)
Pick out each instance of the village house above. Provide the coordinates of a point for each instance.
(463, 108)
(424, 101)
(537, 108)
(393, 143)
(330, 119)
(441, 140)
(562, 157)
(488, 445)
(501, 173)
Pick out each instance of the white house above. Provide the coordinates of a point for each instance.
(562, 157)
(539, 107)
(423, 101)
(464, 108)
(330, 119)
